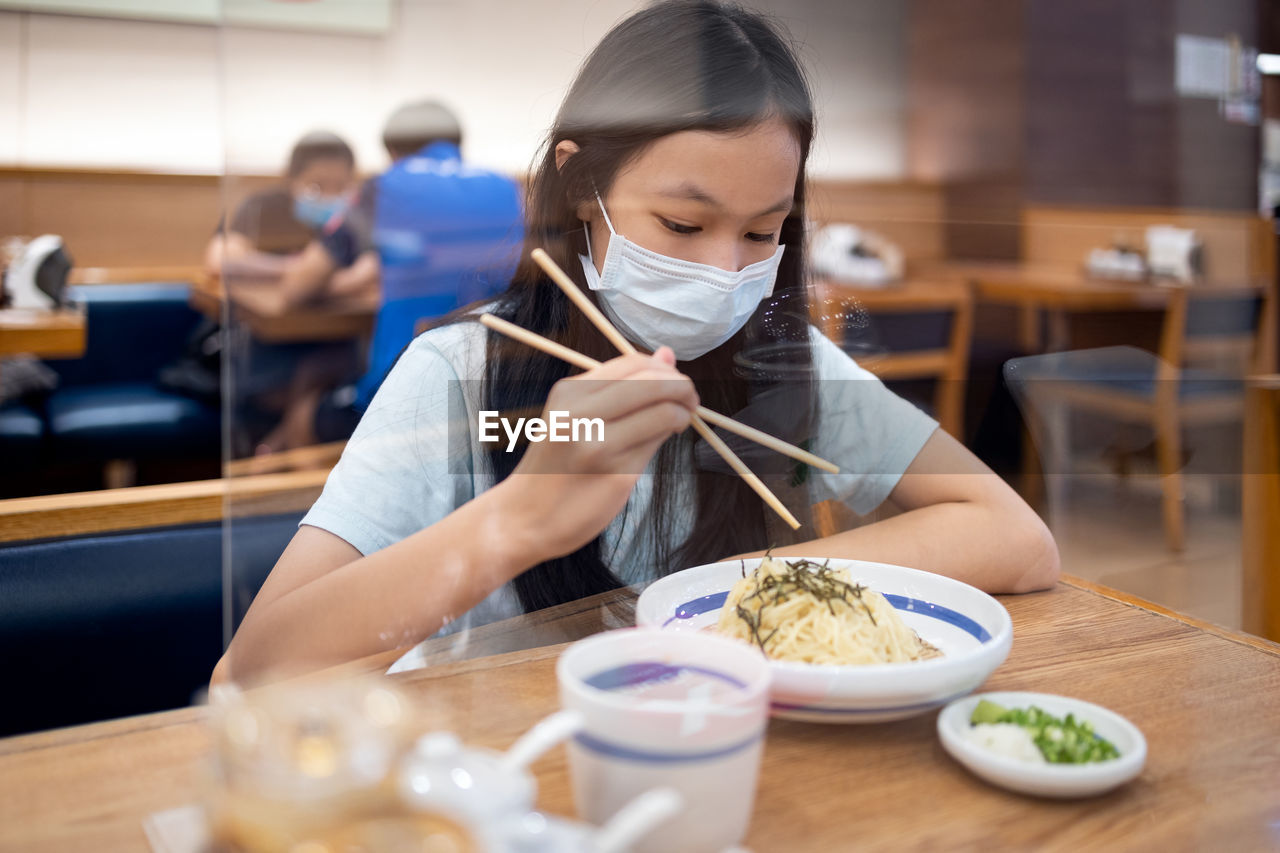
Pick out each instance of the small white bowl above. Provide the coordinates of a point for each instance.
(1045, 780)
(971, 628)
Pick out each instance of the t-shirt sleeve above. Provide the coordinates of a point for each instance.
(266, 219)
(863, 427)
(350, 233)
(247, 218)
(408, 464)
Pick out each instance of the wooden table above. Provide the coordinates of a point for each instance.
(259, 305)
(1034, 289)
(1205, 698)
(1028, 288)
(1057, 288)
(1031, 289)
(134, 275)
(49, 334)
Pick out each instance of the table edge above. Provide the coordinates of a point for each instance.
(1259, 643)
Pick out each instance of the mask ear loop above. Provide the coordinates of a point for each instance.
(607, 221)
(586, 230)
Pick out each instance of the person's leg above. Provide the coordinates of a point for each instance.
(317, 373)
(336, 416)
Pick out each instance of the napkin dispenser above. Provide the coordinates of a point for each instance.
(853, 255)
(37, 277)
(1175, 253)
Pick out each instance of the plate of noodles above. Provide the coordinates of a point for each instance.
(850, 641)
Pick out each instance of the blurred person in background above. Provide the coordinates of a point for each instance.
(435, 232)
(275, 223)
(265, 234)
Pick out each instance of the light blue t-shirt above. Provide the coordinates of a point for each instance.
(415, 456)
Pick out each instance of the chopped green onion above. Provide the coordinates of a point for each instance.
(1068, 741)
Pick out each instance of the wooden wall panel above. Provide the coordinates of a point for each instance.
(1105, 124)
(966, 70)
(1017, 102)
(122, 219)
(910, 214)
(1217, 159)
(118, 218)
(12, 202)
(1101, 123)
(115, 223)
(983, 218)
(1236, 244)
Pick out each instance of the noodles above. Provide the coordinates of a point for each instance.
(803, 611)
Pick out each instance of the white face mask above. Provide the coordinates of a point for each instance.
(656, 300)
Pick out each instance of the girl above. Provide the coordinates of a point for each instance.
(672, 189)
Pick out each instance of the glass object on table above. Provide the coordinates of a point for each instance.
(315, 767)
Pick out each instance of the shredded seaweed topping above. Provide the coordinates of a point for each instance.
(799, 577)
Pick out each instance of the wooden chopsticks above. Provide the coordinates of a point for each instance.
(701, 414)
(586, 362)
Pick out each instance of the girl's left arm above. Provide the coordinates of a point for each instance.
(959, 519)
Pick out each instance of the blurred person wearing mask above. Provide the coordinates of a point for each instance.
(271, 225)
(267, 231)
(433, 232)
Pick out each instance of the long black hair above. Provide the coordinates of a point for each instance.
(675, 66)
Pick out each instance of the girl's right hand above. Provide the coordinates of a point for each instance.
(562, 494)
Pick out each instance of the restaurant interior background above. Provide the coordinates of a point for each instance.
(985, 148)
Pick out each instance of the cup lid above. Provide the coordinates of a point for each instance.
(441, 773)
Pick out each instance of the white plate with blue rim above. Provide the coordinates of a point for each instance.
(1039, 778)
(971, 629)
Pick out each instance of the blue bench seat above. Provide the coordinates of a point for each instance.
(108, 403)
(108, 625)
(125, 420)
(21, 434)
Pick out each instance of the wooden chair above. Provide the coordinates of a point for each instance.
(943, 358)
(1221, 328)
(944, 306)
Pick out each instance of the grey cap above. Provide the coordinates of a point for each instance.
(417, 124)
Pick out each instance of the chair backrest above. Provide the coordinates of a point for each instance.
(133, 330)
(1222, 330)
(919, 330)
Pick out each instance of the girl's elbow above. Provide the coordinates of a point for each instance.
(1039, 564)
(222, 671)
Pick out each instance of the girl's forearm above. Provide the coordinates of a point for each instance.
(390, 599)
(967, 541)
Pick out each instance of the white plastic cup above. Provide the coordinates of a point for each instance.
(667, 709)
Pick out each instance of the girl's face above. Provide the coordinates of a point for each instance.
(712, 198)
